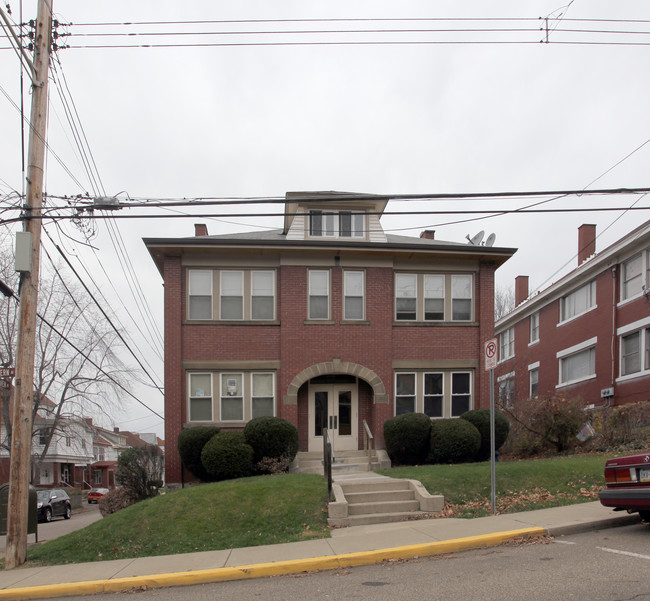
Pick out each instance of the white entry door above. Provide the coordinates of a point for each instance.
(335, 407)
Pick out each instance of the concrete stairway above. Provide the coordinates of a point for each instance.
(343, 462)
(377, 499)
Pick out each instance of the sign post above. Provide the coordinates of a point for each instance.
(490, 350)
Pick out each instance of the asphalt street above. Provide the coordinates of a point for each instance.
(602, 565)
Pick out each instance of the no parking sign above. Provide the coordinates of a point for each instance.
(490, 351)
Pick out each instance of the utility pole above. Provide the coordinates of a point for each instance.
(21, 442)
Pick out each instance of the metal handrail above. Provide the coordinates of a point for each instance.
(368, 441)
(327, 462)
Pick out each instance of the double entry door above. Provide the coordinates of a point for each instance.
(335, 407)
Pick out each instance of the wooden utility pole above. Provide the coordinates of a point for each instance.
(21, 442)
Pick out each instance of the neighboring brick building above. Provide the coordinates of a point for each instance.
(326, 323)
(588, 334)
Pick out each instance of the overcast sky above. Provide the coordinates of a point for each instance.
(261, 120)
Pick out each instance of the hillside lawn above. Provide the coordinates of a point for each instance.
(293, 507)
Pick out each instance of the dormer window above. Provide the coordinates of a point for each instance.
(336, 224)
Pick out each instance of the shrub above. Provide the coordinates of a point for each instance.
(227, 455)
(190, 445)
(481, 419)
(407, 438)
(114, 500)
(271, 437)
(454, 440)
(139, 470)
(273, 465)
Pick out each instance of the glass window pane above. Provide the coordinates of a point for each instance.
(353, 308)
(405, 384)
(632, 280)
(315, 223)
(232, 409)
(232, 307)
(460, 383)
(433, 406)
(200, 385)
(328, 224)
(405, 308)
(353, 283)
(461, 286)
(201, 409)
(262, 307)
(461, 310)
(318, 307)
(405, 285)
(200, 307)
(263, 385)
(578, 366)
(262, 283)
(404, 404)
(231, 385)
(262, 407)
(459, 405)
(232, 283)
(631, 355)
(319, 283)
(345, 224)
(200, 282)
(358, 225)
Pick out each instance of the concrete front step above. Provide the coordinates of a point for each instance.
(383, 507)
(343, 462)
(379, 496)
(382, 518)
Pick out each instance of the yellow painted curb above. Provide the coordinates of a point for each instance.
(261, 570)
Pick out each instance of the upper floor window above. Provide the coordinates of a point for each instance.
(336, 224)
(577, 302)
(241, 294)
(635, 349)
(43, 435)
(353, 292)
(319, 294)
(534, 328)
(507, 344)
(433, 297)
(635, 275)
(200, 294)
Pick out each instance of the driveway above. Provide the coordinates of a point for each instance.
(58, 526)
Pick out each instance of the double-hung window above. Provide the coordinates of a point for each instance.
(578, 302)
(461, 393)
(404, 393)
(533, 377)
(406, 296)
(336, 224)
(434, 394)
(262, 396)
(232, 397)
(461, 297)
(200, 294)
(507, 344)
(262, 294)
(353, 292)
(632, 277)
(578, 362)
(319, 294)
(631, 353)
(434, 297)
(232, 295)
(534, 328)
(200, 397)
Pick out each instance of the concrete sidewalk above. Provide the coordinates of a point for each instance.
(358, 545)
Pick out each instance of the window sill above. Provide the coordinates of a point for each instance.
(319, 322)
(428, 324)
(354, 322)
(572, 382)
(231, 322)
(635, 376)
(578, 316)
(533, 343)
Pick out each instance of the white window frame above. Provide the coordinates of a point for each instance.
(626, 280)
(400, 293)
(225, 392)
(572, 352)
(332, 224)
(222, 296)
(507, 344)
(415, 391)
(642, 327)
(327, 295)
(441, 394)
(534, 328)
(254, 273)
(566, 315)
(454, 297)
(253, 396)
(428, 277)
(533, 368)
(191, 287)
(191, 397)
(453, 394)
(347, 274)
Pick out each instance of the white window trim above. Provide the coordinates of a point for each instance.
(582, 346)
(632, 327)
(329, 294)
(644, 283)
(530, 330)
(250, 375)
(273, 293)
(415, 392)
(644, 372)
(447, 388)
(336, 233)
(220, 375)
(504, 359)
(190, 397)
(533, 366)
(444, 391)
(189, 296)
(363, 294)
(451, 390)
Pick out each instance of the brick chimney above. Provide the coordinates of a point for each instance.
(521, 289)
(200, 229)
(428, 234)
(586, 241)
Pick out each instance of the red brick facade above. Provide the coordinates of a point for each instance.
(618, 310)
(300, 351)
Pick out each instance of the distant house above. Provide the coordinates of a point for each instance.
(329, 322)
(586, 335)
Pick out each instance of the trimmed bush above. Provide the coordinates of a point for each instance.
(190, 445)
(227, 455)
(271, 437)
(407, 438)
(454, 440)
(481, 419)
(114, 500)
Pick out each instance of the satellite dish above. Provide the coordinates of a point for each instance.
(476, 240)
(490, 240)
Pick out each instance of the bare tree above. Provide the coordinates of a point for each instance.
(77, 371)
(504, 301)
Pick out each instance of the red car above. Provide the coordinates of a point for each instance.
(628, 484)
(95, 494)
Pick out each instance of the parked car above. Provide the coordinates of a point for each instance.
(53, 502)
(628, 484)
(95, 494)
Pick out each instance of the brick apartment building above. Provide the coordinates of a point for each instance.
(588, 334)
(328, 322)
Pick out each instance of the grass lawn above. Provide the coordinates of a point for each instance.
(520, 485)
(292, 507)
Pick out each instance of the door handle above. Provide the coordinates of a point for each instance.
(336, 422)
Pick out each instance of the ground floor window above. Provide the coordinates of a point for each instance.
(97, 477)
(233, 396)
(435, 393)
